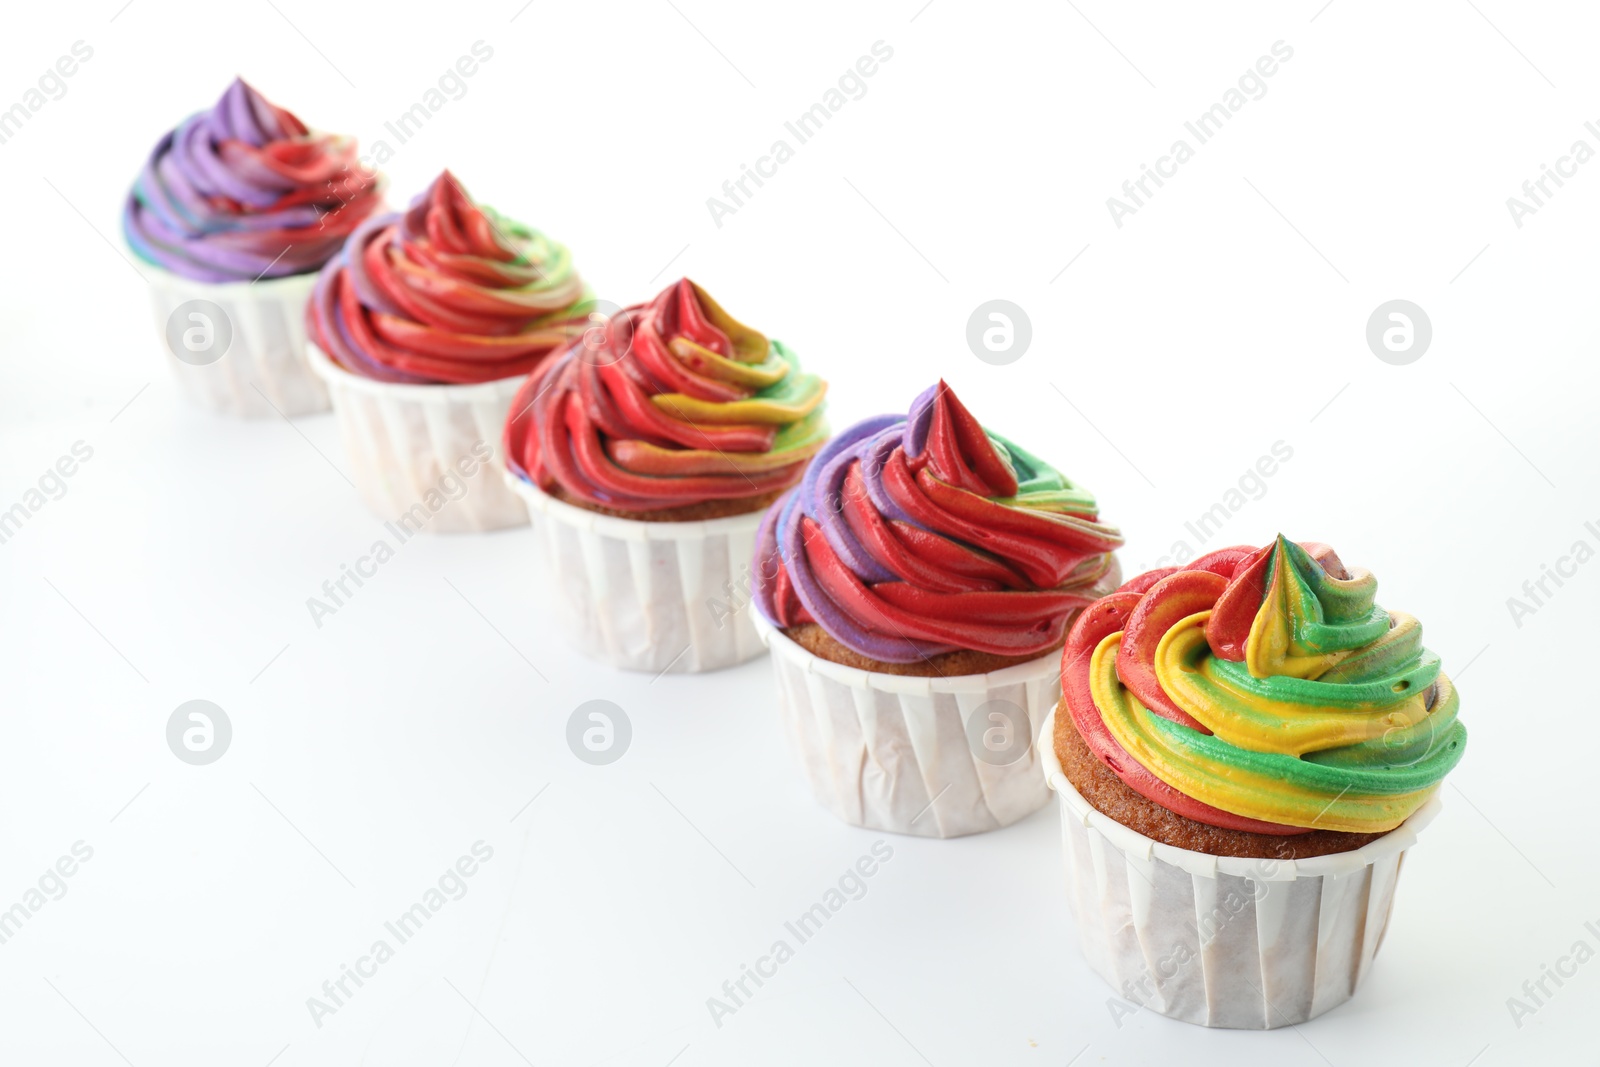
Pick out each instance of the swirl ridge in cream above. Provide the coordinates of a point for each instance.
(668, 404)
(1264, 690)
(911, 536)
(447, 292)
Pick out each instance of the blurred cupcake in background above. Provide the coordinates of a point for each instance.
(917, 587)
(234, 213)
(423, 327)
(648, 452)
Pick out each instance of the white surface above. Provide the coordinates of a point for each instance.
(405, 729)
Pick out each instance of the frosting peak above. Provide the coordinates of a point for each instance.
(244, 115)
(1305, 618)
(459, 232)
(943, 438)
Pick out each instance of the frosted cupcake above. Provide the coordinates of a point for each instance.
(647, 453)
(1244, 750)
(917, 587)
(423, 327)
(233, 215)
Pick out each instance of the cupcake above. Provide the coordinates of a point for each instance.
(1244, 750)
(917, 587)
(235, 212)
(423, 327)
(647, 452)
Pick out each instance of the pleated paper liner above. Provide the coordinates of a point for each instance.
(933, 757)
(263, 372)
(425, 456)
(1224, 941)
(648, 596)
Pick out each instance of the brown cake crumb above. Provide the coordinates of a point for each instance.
(706, 509)
(815, 640)
(1110, 796)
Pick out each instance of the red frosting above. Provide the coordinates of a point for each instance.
(640, 415)
(445, 293)
(922, 535)
(1144, 608)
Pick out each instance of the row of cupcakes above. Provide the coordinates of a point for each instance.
(944, 609)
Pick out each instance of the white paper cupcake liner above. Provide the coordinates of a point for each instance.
(408, 446)
(649, 596)
(1224, 941)
(263, 372)
(914, 755)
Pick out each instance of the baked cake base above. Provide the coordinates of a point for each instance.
(706, 509)
(1110, 796)
(815, 640)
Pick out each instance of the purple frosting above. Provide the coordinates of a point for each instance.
(819, 497)
(243, 191)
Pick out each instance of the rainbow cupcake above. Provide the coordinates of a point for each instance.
(917, 587)
(423, 327)
(1245, 748)
(647, 452)
(234, 213)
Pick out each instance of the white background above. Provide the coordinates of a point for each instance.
(1227, 314)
